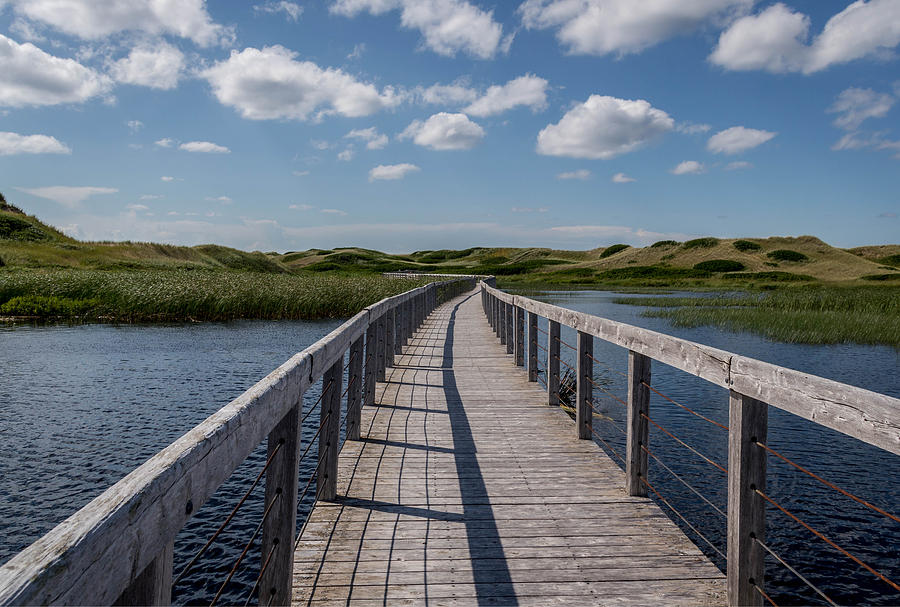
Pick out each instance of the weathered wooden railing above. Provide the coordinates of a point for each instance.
(754, 386)
(119, 547)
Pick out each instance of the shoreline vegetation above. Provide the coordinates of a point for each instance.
(791, 289)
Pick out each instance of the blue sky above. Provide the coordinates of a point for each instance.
(420, 124)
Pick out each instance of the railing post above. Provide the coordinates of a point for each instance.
(498, 318)
(584, 387)
(329, 432)
(520, 336)
(503, 320)
(553, 363)
(371, 363)
(390, 336)
(379, 349)
(532, 347)
(638, 428)
(510, 328)
(748, 424)
(279, 528)
(154, 584)
(354, 388)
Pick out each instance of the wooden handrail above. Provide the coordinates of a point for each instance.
(110, 547)
(753, 385)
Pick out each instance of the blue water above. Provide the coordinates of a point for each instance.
(82, 406)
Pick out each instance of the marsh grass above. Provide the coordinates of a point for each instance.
(175, 295)
(813, 315)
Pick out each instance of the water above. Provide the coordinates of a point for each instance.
(82, 406)
(866, 471)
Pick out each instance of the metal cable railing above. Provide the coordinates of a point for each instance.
(685, 445)
(688, 409)
(684, 520)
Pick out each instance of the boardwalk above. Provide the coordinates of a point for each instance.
(466, 488)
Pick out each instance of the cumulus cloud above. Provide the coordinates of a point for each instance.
(68, 196)
(392, 171)
(688, 167)
(692, 128)
(134, 125)
(448, 27)
(333, 212)
(528, 90)
(165, 142)
(737, 139)
(604, 127)
(374, 140)
(599, 27)
(166, 178)
(346, 154)
(32, 77)
(12, 144)
(93, 19)
(301, 207)
(157, 66)
(292, 10)
(448, 94)
(445, 131)
(270, 83)
(622, 178)
(204, 147)
(855, 105)
(581, 174)
(776, 39)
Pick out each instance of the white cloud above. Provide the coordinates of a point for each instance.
(737, 139)
(134, 125)
(692, 128)
(151, 197)
(447, 26)
(93, 19)
(269, 83)
(68, 196)
(167, 178)
(392, 171)
(374, 140)
(448, 94)
(138, 207)
(603, 127)
(529, 210)
(334, 212)
(357, 52)
(688, 167)
(157, 66)
(13, 143)
(32, 77)
(857, 105)
(579, 174)
(222, 199)
(738, 165)
(204, 147)
(775, 40)
(527, 90)
(292, 10)
(346, 154)
(165, 142)
(599, 27)
(622, 178)
(301, 207)
(445, 131)
(300, 173)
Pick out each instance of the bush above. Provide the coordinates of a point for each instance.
(890, 260)
(881, 277)
(746, 245)
(787, 255)
(771, 276)
(612, 250)
(652, 272)
(665, 243)
(720, 265)
(39, 305)
(701, 243)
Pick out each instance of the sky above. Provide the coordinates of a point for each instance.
(405, 125)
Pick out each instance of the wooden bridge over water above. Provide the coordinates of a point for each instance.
(458, 484)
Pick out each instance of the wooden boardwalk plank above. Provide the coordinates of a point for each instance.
(467, 489)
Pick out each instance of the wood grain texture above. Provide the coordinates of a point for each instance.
(438, 503)
(638, 430)
(584, 388)
(868, 416)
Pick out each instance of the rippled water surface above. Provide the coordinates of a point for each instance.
(82, 406)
